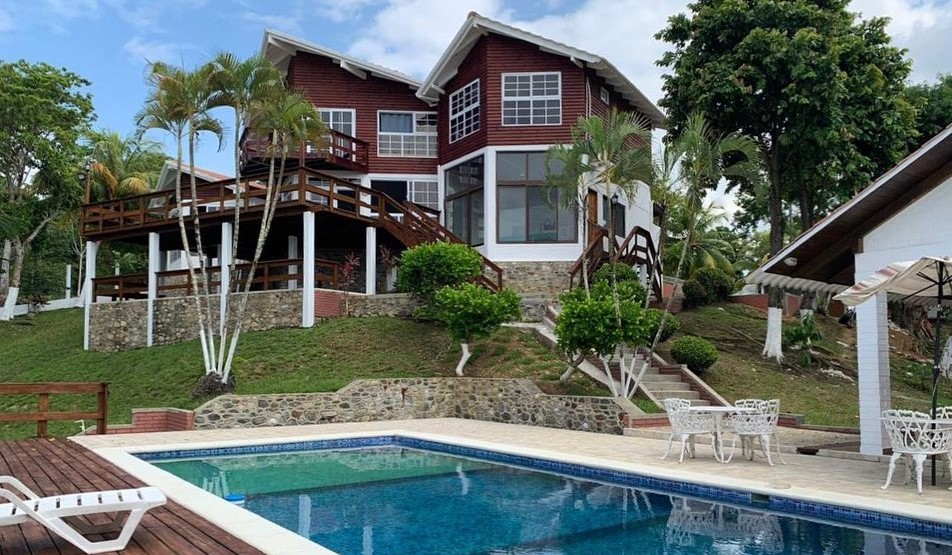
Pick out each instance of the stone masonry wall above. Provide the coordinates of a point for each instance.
(121, 325)
(391, 304)
(536, 278)
(515, 401)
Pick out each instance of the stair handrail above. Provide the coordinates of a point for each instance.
(593, 253)
(629, 251)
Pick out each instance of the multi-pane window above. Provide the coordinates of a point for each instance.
(408, 134)
(532, 98)
(530, 212)
(425, 193)
(464, 201)
(340, 120)
(464, 111)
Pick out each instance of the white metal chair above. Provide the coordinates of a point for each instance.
(914, 434)
(53, 512)
(757, 405)
(685, 425)
(760, 425)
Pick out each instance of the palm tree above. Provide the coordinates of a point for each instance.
(709, 247)
(612, 153)
(702, 159)
(290, 120)
(123, 166)
(179, 103)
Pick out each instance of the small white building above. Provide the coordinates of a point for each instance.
(903, 215)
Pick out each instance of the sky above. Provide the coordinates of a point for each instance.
(109, 42)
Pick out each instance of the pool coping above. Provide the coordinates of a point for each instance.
(270, 537)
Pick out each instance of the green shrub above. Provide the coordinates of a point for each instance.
(591, 323)
(717, 282)
(696, 353)
(694, 293)
(653, 321)
(622, 272)
(801, 336)
(425, 269)
(627, 291)
(471, 312)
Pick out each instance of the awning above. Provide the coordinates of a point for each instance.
(912, 281)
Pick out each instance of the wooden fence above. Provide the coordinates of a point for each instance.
(43, 414)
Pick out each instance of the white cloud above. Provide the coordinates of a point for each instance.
(70, 9)
(141, 50)
(290, 23)
(340, 11)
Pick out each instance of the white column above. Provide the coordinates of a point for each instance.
(370, 261)
(292, 254)
(872, 346)
(224, 260)
(489, 205)
(88, 294)
(307, 292)
(69, 281)
(153, 287)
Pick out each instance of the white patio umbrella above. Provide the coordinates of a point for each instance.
(924, 281)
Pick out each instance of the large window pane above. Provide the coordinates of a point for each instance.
(543, 216)
(466, 176)
(457, 212)
(568, 224)
(512, 214)
(478, 228)
(511, 166)
(536, 166)
(396, 122)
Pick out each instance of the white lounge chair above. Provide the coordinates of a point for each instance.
(53, 512)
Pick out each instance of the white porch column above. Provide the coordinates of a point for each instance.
(307, 292)
(69, 281)
(292, 254)
(224, 260)
(872, 346)
(370, 261)
(153, 287)
(88, 294)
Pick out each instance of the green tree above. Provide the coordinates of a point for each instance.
(122, 166)
(820, 91)
(709, 246)
(472, 312)
(43, 113)
(612, 154)
(933, 103)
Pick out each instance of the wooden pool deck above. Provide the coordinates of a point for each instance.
(52, 467)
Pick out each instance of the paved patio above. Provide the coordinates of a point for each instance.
(853, 483)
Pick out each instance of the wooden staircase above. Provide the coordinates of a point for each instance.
(637, 249)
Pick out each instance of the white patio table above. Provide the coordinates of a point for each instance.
(718, 412)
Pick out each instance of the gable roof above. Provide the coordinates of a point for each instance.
(476, 26)
(822, 257)
(280, 47)
(167, 176)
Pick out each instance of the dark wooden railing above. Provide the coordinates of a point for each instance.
(269, 275)
(43, 414)
(636, 249)
(337, 148)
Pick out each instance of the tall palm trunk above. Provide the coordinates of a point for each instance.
(224, 360)
(204, 292)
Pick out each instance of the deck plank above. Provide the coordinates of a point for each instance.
(51, 467)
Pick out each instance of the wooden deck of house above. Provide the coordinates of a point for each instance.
(50, 466)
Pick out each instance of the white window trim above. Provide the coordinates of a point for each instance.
(530, 98)
(414, 134)
(353, 116)
(465, 110)
(605, 96)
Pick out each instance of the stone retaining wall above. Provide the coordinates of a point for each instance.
(120, 326)
(390, 304)
(546, 278)
(517, 401)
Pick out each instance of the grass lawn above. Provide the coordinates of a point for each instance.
(324, 358)
(738, 332)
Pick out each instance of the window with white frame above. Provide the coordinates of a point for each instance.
(464, 111)
(532, 98)
(424, 193)
(605, 96)
(407, 134)
(339, 119)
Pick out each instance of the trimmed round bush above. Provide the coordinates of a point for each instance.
(653, 320)
(694, 293)
(425, 269)
(622, 272)
(694, 352)
(717, 282)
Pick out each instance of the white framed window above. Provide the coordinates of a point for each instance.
(424, 192)
(605, 96)
(406, 134)
(532, 98)
(341, 120)
(464, 111)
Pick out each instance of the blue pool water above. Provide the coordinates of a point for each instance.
(394, 500)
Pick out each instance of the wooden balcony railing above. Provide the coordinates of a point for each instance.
(269, 275)
(44, 415)
(636, 249)
(337, 149)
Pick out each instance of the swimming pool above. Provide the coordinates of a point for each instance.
(394, 495)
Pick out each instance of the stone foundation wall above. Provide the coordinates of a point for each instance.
(516, 401)
(401, 305)
(122, 325)
(536, 278)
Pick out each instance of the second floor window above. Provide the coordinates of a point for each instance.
(532, 98)
(464, 111)
(409, 134)
(339, 119)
